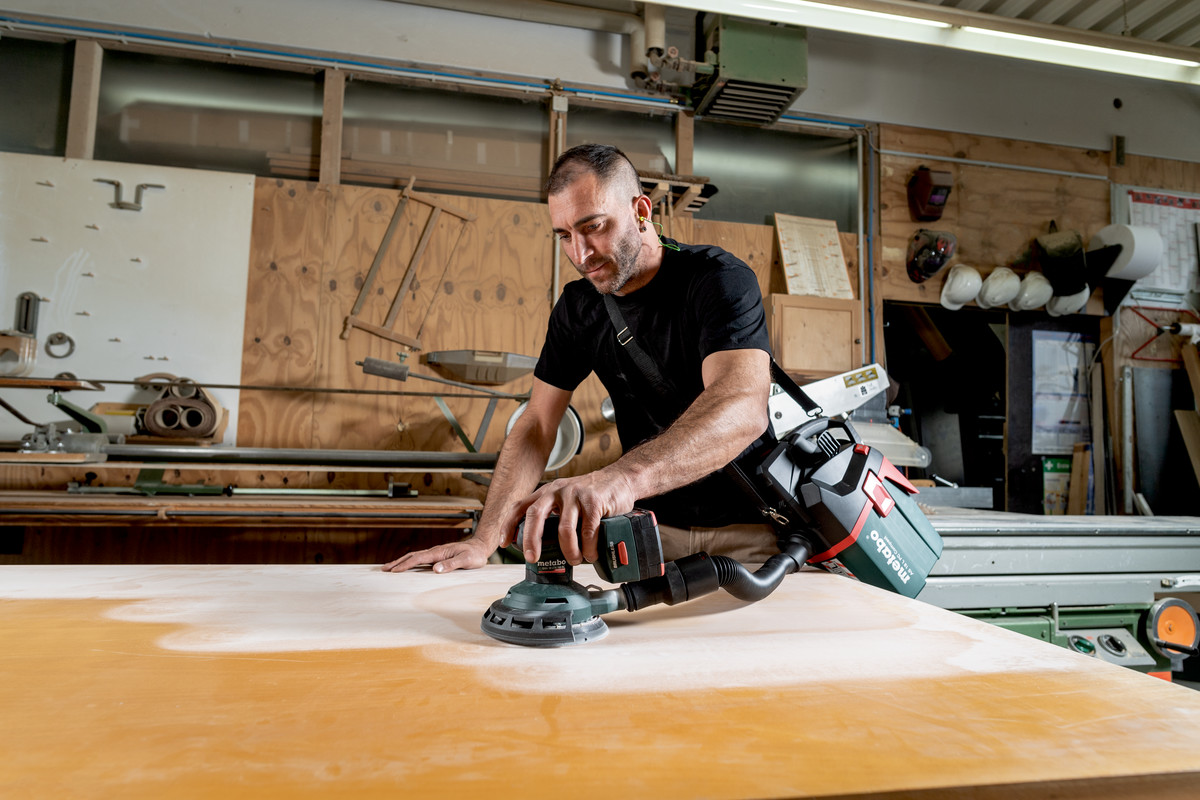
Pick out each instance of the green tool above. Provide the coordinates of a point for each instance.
(549, 608)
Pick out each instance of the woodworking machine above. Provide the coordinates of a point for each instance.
(1114, 588)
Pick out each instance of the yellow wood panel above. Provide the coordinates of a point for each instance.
(1158, 173)
(814, 337)
(283, 291)
(989, 148)
(319, 681)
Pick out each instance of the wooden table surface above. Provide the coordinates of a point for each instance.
(319, 681)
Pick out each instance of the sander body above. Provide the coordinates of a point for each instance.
(550, 609)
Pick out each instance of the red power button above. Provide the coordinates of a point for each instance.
(622, 554)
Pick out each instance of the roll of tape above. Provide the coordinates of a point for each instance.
(181, 418)
(1141, 250)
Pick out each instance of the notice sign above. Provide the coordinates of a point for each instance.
(1061, 362)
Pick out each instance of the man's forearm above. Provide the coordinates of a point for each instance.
(708, 435)
(520, 464)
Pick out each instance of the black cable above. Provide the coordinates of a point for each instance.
(17, 414)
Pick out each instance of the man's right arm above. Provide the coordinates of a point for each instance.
(520, 465)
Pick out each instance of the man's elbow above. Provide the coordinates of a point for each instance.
(753, 420)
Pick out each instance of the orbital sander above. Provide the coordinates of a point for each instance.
(550, 609)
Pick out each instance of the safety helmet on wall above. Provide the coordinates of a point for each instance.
(1035, 291)
(928, 252)
(961, 286)
(998, 288)
(1068, 304)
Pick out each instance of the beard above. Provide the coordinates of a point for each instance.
(624, 261)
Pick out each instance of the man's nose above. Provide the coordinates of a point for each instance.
(580, 249)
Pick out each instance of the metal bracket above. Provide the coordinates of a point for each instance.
(125, 205)
(92, 423)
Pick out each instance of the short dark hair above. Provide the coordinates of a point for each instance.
(606, 161)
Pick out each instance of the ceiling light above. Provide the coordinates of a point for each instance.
(864, 12)
(1106, 51)
(937, 32)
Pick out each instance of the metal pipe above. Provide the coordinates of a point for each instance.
(656, 30)
(252, 54)
(476, 391)
(566, 15)
(229, 512)
(1127, 451)
(400, 459)
(863, 154)
(544, 11)
(997, 165)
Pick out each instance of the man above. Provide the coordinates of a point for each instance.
(697, 312)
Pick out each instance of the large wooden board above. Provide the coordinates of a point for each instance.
(319, 681)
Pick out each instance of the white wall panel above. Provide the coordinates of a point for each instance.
(157, 290)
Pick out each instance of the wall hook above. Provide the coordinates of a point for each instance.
(126, 205)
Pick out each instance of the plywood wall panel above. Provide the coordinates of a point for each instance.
(1158, 173)
(988, 148)
(994, 212)
(283, 291)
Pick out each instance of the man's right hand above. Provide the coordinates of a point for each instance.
(470, 553)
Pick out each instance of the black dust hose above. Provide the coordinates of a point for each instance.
(700, 574)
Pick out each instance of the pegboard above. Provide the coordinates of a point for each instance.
(160, 289)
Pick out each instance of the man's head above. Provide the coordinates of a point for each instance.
(599, 215)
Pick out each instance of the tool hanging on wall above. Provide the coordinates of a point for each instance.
(127, 205)
(18, 347)
(183, 410)
(386, 329)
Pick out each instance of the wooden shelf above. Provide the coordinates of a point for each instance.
(60, 508)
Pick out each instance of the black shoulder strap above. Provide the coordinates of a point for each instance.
(645, 363)
(650, 369)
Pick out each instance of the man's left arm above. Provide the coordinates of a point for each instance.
(729, 414)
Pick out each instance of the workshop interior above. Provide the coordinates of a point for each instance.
(273, 293)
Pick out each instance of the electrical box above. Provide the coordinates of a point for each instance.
(760, 70)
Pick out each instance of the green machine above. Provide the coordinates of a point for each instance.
(1112, 588)
(759, 69)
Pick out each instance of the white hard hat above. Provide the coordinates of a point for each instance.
(961, 286)
(999, 287)
(1035, 291)
(1068, 304)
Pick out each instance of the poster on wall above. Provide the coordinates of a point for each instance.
(1176, 217)
(136, 269)
(1061, 376)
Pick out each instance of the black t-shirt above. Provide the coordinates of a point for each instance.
(702, 300)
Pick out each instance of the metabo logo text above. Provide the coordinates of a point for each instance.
(885, 548)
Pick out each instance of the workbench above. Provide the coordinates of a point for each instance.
(64, 528)
(139, 681)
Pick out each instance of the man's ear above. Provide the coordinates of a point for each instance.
(643, 207)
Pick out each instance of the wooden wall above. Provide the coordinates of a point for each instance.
(994, 212)
(312, 244)
(997, 212)
(311, 247)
